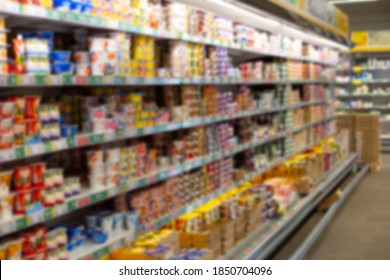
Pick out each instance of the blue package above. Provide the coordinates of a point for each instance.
(62, 68)
(63, 5)
(68, 130)
(60, 56)
(86, 9)
(100, 237)
(76, 6)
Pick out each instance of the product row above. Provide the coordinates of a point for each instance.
(182, 19)
(45, 183)
(364, 90)
(209, 231)
(34, 119)
(101, 54)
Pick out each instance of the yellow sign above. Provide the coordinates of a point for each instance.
(360, 38)
(342, 21)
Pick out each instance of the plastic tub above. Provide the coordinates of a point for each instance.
(60, 56)
(63, 5)
(68, 130)
(62, 68)
(100, 237)
(76, 6)
(86, 9)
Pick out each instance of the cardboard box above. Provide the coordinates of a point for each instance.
(239, 228)
(327, 202)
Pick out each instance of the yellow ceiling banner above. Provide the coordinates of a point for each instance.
(360, 38)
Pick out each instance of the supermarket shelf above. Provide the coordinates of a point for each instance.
(371, 49)
(274, 232)
(85, 140)
(373, 82)
(94, 251)
(346, 83)
(377, 108)
(74, 80)
(97, 195)
(360, 82)
(311, 239)
(82, 20)
(364, 95)
(382, 108)
(385, 143)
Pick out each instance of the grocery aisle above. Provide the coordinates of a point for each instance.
(360, 230)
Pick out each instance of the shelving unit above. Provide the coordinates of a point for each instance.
(271, 234)
(89, 197)
(374, 80)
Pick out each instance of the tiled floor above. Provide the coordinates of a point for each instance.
(361, 228)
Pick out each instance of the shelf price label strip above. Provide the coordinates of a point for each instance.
(70, 80)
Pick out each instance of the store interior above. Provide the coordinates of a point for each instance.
(194, 130)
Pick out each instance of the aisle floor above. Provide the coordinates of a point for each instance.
(361, 228)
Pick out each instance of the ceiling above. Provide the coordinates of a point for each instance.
(368, 15)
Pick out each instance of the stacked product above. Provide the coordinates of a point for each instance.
(32, 53)
(3, 49)
(143, 60)
(25, 122)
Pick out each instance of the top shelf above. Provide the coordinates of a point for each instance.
(83, 20)
(371, 49)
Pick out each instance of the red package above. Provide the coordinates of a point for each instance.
(37, 195)
(20, 202)
(32, 128)
(32, 106)
(22, 177)
(19, 107)
(37, 174)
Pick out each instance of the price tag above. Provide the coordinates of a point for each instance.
(163, 33)
(60, 144)
(36, 149)
(60, 210)
(29, 9)
(132, 185)
(142, 182)
(131, 81)
(55, 80)
(3, 80)
(27, 80)
(149, 130)
(10, 6)
(8, 227)
(110, 136)
(116, 246)
(173, 126)
(21, 223)
(112, 24)
(71, 205)
(108, 80)
(152, 179)
(80, 80)
(149, 227)
(82, 141)
(83, 202)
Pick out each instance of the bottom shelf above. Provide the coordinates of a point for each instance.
(271, 234)
(92, 251)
